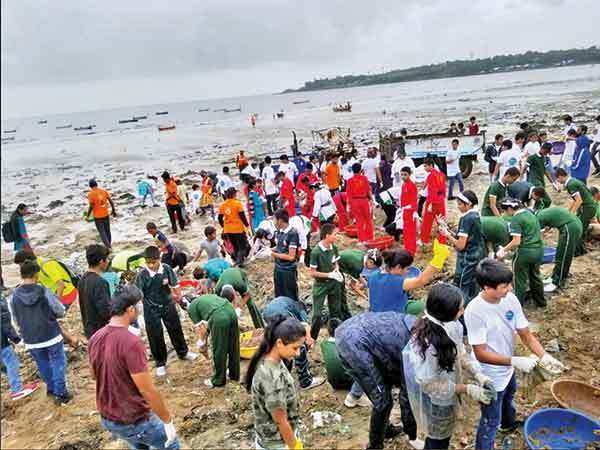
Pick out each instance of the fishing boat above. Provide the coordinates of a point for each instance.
(166, 127)
(161, 113)
(10, 131)
(128, 120)
(42, 122)
(86, 128)
(233, 110)
(8, 139)
(299, 102)
(139, 117)
(203, 109)
(347, 107)
(62, 127)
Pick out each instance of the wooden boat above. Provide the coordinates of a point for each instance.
(128, 120)
(140, 117)
(8, 139)
(87, 128)
(300, 102)
(42, 122)
(166, 127)
(280, 115)
(233, 110)
(10, 131)
(343, 108)
(161, 113)
(63, 127)
(203, 109)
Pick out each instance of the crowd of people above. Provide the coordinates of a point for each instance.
(293, 212)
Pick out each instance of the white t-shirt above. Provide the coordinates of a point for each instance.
(569, 152)
(509, 158)
(268, 226)
(452, 159)
(268, 176)
(495, 325)
(398, 165)
(531, 149)
(302, 226)
(568, 128)
(347, 169)
(224, 183)
(289, 169)
(196, 196)
(324, 207)
(368, 166)
(597, 134)
(254, 173)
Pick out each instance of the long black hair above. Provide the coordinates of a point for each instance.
(443, 303)
(394, 258)
(288, 329)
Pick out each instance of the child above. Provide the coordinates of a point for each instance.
(170, 255)
(372, 265)
(435, 205)
(453, 169)
(491, 155)
(195, 198)
(473, 126)
(492, 319)
(207, 202)
(210, 273)
(274, 396)
(225, 182)
(158, 283)
(10, 358)
(211, 245)
(433, 362)
(257, 208)
(261, 249)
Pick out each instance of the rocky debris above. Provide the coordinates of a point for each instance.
(55, 204)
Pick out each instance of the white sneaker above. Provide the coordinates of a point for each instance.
(208, 383)
(161, 371)
(417, 443)
(316, 381)
(550, 287)
(191, 356)
(352, 402)
(548, 280)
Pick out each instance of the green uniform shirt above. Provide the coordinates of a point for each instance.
(526, 225)
(495, 230)
(542, 203)
(235, 277)
(555, 217)
(202, 307)
(156, 287)
(469, 225)
(536, 169)
(323, 260)
(273, 388)
(496, 189)
(351, 262)
(337, 375)
(574, 187)
(598, 211)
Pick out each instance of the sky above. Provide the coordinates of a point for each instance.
(59, 56)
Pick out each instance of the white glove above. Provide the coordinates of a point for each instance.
(480, 394)
(171, 433)
(523, 363)
(443, 229)
(483, 380)
(551, 364)
(501, 253)
(238, 312)
(335, 275)
(201, 343)
(134, 330)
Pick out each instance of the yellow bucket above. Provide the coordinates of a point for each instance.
(247, 352)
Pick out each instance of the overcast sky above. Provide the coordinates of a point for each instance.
(65, 56)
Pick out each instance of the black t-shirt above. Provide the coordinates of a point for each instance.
(94, 302)
(286, 240)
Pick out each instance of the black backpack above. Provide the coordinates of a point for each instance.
(8, 232)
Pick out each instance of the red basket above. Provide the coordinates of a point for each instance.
(188, 283)
(381, 243)
(351, 231)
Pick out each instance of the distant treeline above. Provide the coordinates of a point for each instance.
(501, 63)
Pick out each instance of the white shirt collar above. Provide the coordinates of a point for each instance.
(567, 180)
(473, 209)
(160, 270)
(285, 230)
(322, 247)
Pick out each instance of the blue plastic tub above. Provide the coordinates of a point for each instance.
(413, 272)
(549, 255)
(563, 429)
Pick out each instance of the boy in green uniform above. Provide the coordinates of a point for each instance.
(583, 204)
(528, 193)
(469, 244)
(239, 281)
(215, 315)
(569, 234)
(536, 166)
(529, 251)
(594, 228)
(328, 280)
(495, 232)
(497, 191)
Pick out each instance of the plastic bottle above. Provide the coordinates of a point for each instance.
(507, 443)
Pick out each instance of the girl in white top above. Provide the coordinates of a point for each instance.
(434, 361)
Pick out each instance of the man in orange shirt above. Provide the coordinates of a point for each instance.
(174, 203)
(234, 222)
(332, 175)
(358, 190)
(99, 200)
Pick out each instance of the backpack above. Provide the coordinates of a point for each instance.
(8, 232)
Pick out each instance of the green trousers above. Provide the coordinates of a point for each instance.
(332, 291)
(585, 215)
(255, 315)
(225, 342)
(464, 276)
(526, 270)
(569, 236)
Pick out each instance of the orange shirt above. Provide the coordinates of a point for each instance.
(171, 193)
(332, 176)
(98, 199)
(231, 209)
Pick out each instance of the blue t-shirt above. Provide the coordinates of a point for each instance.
(386, 293)
(215, 267)
(285, 306)
(368, 273)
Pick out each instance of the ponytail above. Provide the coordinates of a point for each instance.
(394, 258)
(286, 328)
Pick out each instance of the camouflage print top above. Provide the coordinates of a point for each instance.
(273, 388)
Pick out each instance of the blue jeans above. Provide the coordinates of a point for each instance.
(11, 362)
(356, 390)
(143, 435)
(451, 180)
(501, 411)
(51, 364)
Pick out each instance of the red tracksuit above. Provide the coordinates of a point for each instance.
(339, 199)
(288, 199)
(358, 190)
(408, 203)
(302, 185)
(436, 199)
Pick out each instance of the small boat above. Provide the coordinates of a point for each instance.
(220, 110)
(299, 102)
(8, 139)
(139, 117)
(128, 121)
(42, 122)
(203, 109)
(62, 127)
(166, 127)
(10, 131)
(87, 128)
(234, 110)
(347, 107)
(280, 115)
(161, 113)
